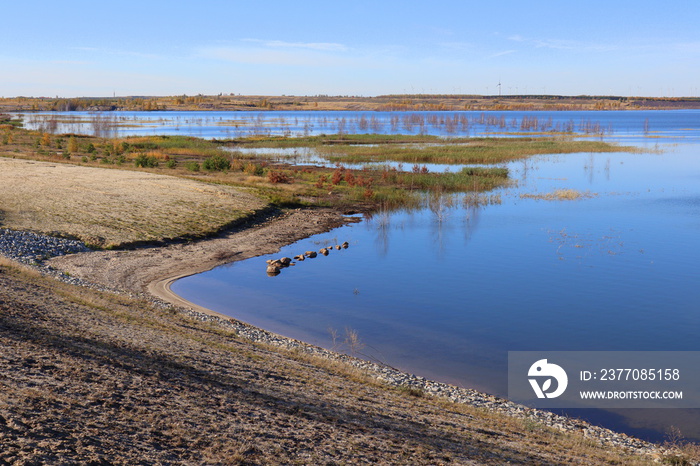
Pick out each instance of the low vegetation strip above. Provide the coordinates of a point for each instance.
(379, 184)
(477, 150)
(560, 195)
(112, 208)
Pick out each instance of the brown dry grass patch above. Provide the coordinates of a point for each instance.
(112, 208)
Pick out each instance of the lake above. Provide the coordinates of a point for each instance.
(447, 290)
(225, 124)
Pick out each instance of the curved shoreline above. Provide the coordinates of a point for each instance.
(150, 272)
(151, 269)
(161, 289)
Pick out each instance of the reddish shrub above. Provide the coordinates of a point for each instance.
(321, 181)
(278, 177)
(337, 176)
(349, 178)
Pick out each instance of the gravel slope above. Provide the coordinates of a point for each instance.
(99, 378)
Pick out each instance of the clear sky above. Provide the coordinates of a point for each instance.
(338, 47)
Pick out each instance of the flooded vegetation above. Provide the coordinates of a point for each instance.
(357, 172)
(300, 124)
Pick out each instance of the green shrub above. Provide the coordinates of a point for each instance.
(146, 161)
(192, 166)
(172, 163)
(216, 163)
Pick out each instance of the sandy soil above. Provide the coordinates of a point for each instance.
(117, 207)
(114, 207)
(154, 269)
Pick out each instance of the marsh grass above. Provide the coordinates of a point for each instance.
(285, 184)
(282, 142)
(475, 151)
(176, 145)
(560, 195)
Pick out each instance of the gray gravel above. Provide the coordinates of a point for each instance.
(31, 248)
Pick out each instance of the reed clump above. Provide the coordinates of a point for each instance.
(560, 195)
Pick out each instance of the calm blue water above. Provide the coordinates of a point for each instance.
(613, 125)
(447, 292)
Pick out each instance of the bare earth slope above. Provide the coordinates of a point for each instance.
(98, 378)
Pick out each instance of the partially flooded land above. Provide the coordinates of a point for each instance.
(156, 385)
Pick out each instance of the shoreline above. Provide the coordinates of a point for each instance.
(85, 269)
(152, 269)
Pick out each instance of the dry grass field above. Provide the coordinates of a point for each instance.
(111, 208)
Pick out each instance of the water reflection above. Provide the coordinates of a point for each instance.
(623, 126)
(446, 291)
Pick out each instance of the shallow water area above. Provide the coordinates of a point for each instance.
(308, 156)
(623, 126)
(446, 291)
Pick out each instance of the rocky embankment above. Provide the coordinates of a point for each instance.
(31, 249)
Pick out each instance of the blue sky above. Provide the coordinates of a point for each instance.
(153, 47)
